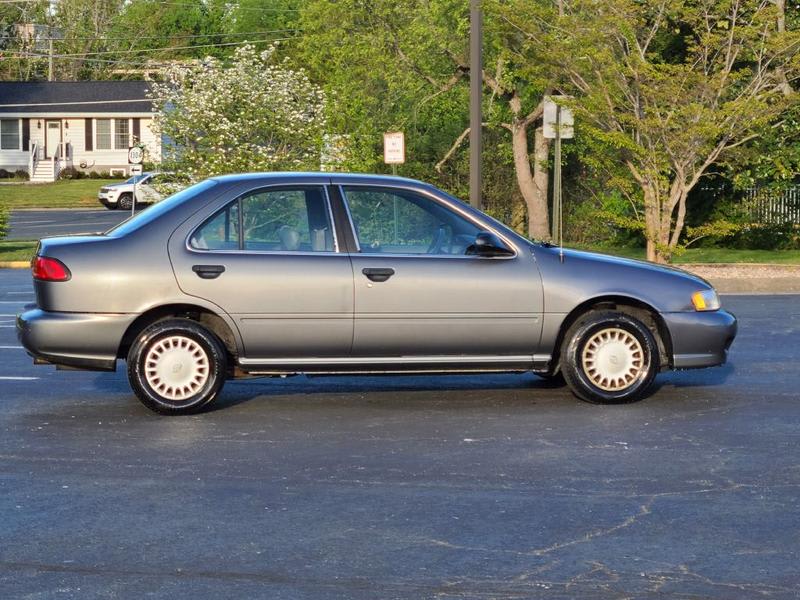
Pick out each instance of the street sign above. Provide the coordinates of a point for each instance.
(136, 169)
(551, 118)
(394, 148)
(135, 155)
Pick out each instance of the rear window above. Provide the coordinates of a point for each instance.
(153, 212)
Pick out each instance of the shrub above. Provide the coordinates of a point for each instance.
(22, 174)
(3, 222)
(104, 175)
(5, 174)
(94, 175)
(71, 173)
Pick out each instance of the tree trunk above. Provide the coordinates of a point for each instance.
(652, 223)
(532, 185)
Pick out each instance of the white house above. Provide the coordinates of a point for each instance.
(46, 126)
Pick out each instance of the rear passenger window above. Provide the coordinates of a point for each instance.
(220, 232)
(292, 219)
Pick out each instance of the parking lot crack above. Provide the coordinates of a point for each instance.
(644, 510)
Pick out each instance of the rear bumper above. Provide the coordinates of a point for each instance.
(73, 340)
(700, 339)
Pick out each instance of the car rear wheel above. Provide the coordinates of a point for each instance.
(177, 367)
(609, 357)
(125, 201)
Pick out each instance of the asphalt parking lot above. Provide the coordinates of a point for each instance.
(35, 224)
(414, 487)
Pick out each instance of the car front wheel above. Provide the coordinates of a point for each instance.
(177, 367)
(125, 201)
(609, 357)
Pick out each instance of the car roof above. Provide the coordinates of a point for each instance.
(316, 175)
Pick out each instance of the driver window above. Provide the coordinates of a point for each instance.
(402, 222)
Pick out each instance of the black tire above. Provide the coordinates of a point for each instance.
(125, 201)
(181, 336)
(609, 383)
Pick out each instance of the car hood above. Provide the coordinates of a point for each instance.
(630, 263)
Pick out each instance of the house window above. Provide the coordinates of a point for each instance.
(121, 137)
(103, 134)
(9, 134)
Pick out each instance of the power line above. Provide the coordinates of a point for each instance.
(168, 3)
(158, 37)
(167, 48)
(85, 58)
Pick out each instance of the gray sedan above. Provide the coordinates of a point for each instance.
(283, 273)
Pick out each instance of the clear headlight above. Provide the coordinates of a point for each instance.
(706, 300)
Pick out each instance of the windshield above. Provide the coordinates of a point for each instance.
(137, 178)
(156, 210)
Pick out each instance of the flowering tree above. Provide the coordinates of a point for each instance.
(253, 114)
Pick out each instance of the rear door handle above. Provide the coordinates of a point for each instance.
(378, 275)
(208, 271)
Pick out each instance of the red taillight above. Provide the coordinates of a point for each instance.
(49, 269)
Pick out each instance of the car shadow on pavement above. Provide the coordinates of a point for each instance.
(525, 388)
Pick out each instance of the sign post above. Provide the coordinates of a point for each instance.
(394, 153)
(558, 123)
(394, 149)
(135, 158)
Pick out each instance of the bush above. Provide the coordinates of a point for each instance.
(5, 174)
(94, 175)
(104, 175)
(22, 174)
(767, 236)
(71, 173)
(3, 222)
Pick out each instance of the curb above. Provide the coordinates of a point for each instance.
(15, 264)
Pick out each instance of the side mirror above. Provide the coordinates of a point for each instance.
(487, 244)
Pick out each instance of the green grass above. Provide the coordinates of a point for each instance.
(61, 194)
(717, 255)
(13, 250)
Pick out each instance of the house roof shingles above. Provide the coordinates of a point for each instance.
(74, 97)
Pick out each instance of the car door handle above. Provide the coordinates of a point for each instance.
(378, 275)
(208, 271)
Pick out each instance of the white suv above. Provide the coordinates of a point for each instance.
(120, 195)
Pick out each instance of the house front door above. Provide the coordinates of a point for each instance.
(52, 138)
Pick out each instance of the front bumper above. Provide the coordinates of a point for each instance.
(73, 340)
(700, 339)
(107, 199)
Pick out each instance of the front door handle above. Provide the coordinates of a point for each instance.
(208, 271)
(378, 275)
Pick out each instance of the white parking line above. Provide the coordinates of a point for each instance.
(30, 293)
(11, 348)
(18, 378)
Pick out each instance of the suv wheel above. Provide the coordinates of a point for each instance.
(609, 358)
(125, 201)
(177, 367)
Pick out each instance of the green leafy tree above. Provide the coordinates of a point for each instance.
(252, 113)
(405, 66)
(669, 89)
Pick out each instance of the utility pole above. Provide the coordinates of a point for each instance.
(475, 96)
(50, 57)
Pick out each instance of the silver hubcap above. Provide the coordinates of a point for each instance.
(613, 359)
(176, 367)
